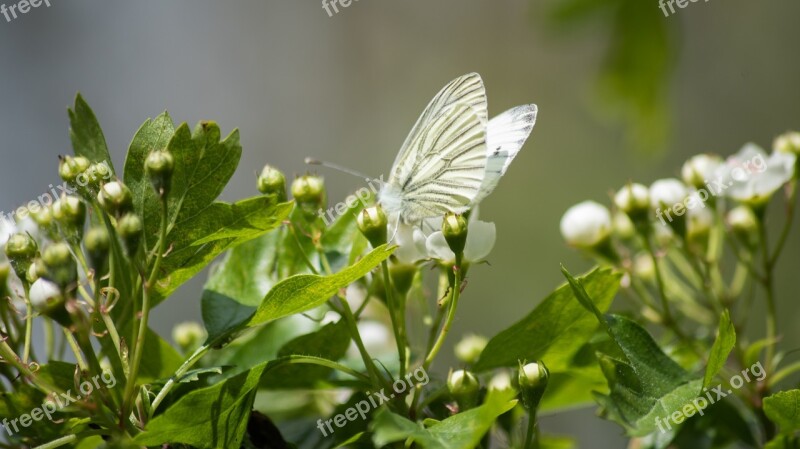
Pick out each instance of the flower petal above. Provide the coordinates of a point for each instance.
(438, 247)
(480, 240)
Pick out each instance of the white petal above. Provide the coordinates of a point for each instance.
(438, 247)
(480, 240)
(411, 248)
(41, 291)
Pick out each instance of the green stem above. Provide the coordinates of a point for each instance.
(26, 352)
(787, 226)
(59, 442)
(394, 309)
(353, 327)
(307, 261)
(772, 313)
(451, 313)
(197, 355)
(532, 432)
(76, 350)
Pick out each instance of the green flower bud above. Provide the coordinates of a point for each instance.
(533, 378)
(464, 388)
(70, 167)
(372, 222)
(454, 229)
(129, 228)
(21, 250)
(61, 267)
(97, 243)
(744, 224)
(159, 166)
(70, 212)
(33, 271)
(402, 275)
(309, 192)
(272, 182)
(698, 170)
(189, 335)
(5, 270)
(470, 348)
(96, 174)
(43, 217)
(788, 143)
(115, 198)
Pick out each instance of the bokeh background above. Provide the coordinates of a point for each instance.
(624, 93)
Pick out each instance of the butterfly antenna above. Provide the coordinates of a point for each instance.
(312, 161)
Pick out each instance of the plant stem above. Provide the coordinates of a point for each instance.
(532, 433)
(197, 355)
(26, 352)
(353, 327)
(772, 326)
(397, 323)
(451, 313)
(59, 442)
(787, 226)
(76, 350)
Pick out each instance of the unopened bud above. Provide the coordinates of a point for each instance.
(464, 388)
(43, 217)
(309, 189)
(47, 299)
(96, 174)
(159, 166)
(115, 198)
(70, 212)
(402, 275)
(699, 169)
(129, 228)
(272, 182)
(744, 224)
(61, 266)
(533, 378)
(71, 167)
(21, 250)
(470, 348)
(634, 200)
(372, 222)
(189, 335)
(788, 143)
(454, 230)
(97, 243)
(586, 225)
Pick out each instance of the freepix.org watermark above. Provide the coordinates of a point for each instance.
(373, 401)
(714, 187)
(671, 4)
(45, 200)
(361, 195)
(57, 402)
(332, 6)
(22, 7)
(711, 396)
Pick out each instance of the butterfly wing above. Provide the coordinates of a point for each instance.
(505, 135)
(443, 169)
(467, 89)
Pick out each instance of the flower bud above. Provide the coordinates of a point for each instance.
(70, 212)
(96, 174)
(586, 225)
(643, 267)
(470, 348)
(115, 198)
(309, 189)
(70, 167)
(159, 166)
(666, 199)
(21, 250)
(744, 224)
(36, 270)
(129, 228)
(47, 299)
(788, 143)
(271, 182)
(533, 378)
(464, 388)
(188, 336)
(372, 223)
(43, 217)
(454, 230)
(634, 200)
(402, 275)
(699, 169)
(97, 243)
(623, 226)
(500, 382)
(61, 267)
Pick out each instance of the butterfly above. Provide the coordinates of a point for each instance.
(454, 155)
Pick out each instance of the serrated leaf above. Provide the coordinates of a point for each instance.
(784, 410)
(462, 431)
(722, 347)
(330, 342)
(555, 330)
(86, 135)
(305, 292)
(212, 417)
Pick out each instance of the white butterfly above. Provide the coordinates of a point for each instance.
(454, 156)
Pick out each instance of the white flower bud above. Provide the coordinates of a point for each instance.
(43, 291)
(470, 347)
(500, 382)
(742, 219)
(633, 199)
(665, 193)
(788, 143)
(623, 226)
(586, 224)
(643, 267)
(188, 335)
(700, 168)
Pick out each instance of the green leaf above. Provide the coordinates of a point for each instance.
(555, 330)
(161, 360)
(154, 134)
(211, 417)
(330, 342)
(305, 291)
(784, 410)
(462, 431)
(784, 442)
(722, 347)
(647, 386)
(248, 219)
(86, 135)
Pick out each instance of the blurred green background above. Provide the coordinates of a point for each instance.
(623, 92)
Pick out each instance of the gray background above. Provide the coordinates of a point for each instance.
(348, 88)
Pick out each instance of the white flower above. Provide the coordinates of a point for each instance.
(632, 198)
(666, 193)
(699, 169)
(7, 229)
(586, 224)
(411, 244)
(752, 177)
(481, 237)
(41, 291)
